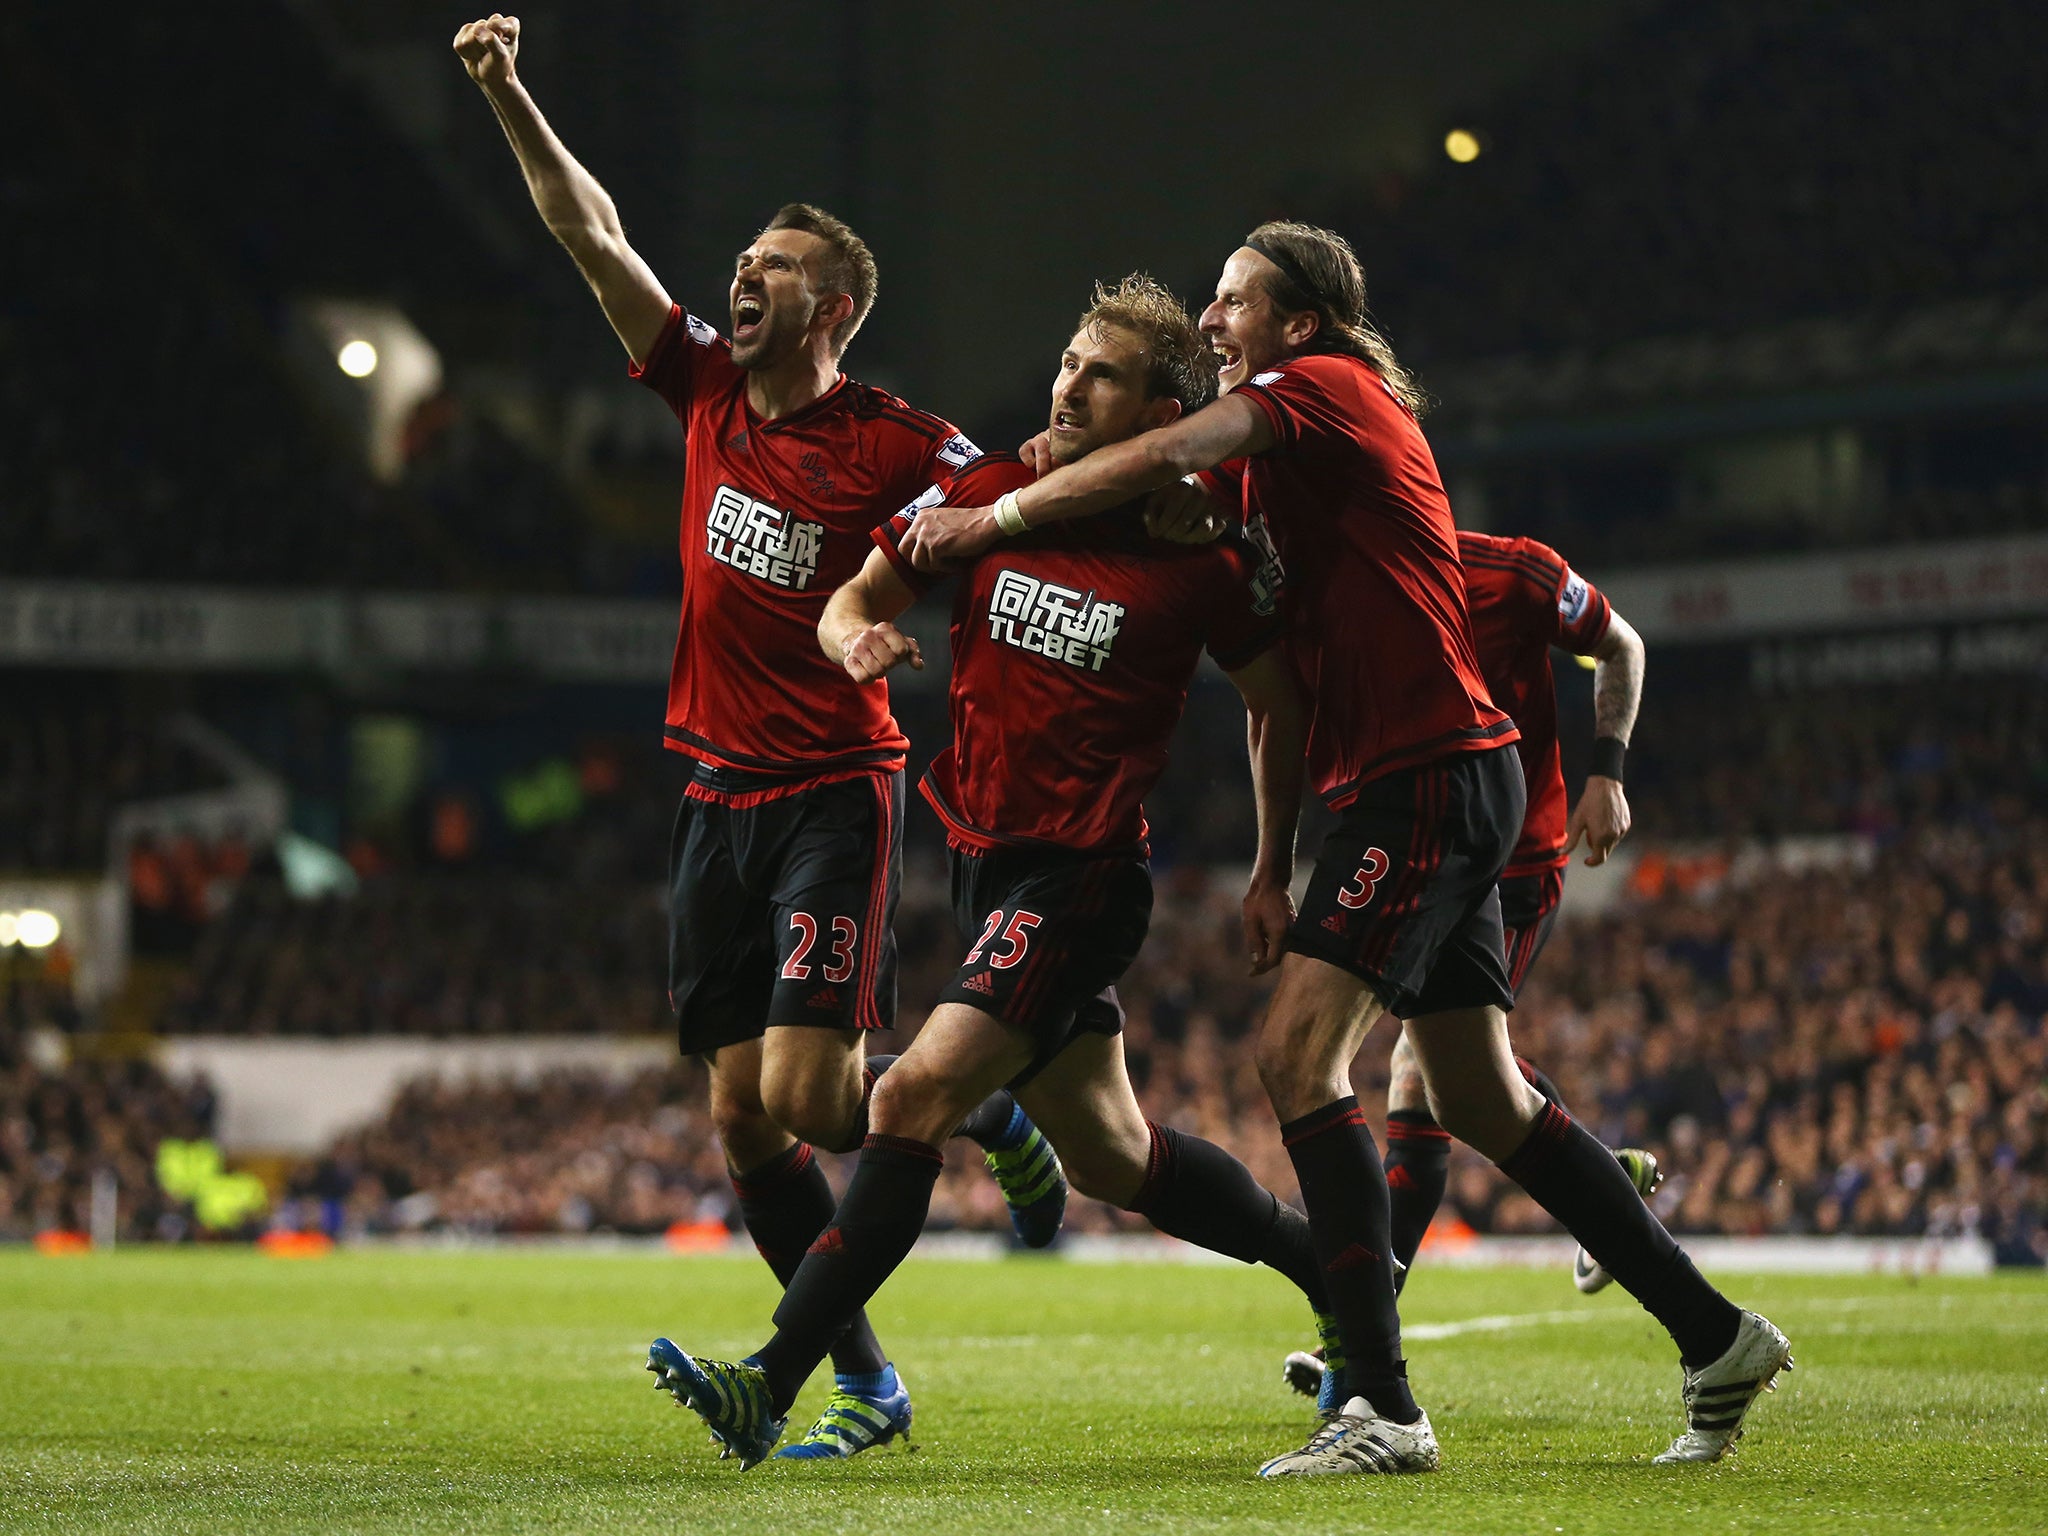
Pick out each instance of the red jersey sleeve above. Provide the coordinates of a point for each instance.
(977, 484)
(1580, 612)
(1245, 621)
(1298, 400)
(688, 356)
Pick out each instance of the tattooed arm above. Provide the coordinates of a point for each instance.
(1601, 816)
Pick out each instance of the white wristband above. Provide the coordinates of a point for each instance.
(1010, 516)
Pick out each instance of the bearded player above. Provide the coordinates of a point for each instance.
(1319, 430)
(1072, 653)
(786, 858)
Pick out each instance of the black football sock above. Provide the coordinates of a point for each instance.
(1578, 1181)
(1418, 1166)
(1345, 1190)
(1196, 1191)
(872, 1232)
(786, 1203)
(1538, 1079)
(990, 1126)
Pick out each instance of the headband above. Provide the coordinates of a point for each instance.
(1291, 270)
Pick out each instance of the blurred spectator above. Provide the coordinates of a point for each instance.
(60, 1126)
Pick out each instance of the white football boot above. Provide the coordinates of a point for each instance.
(1717, 1396)
(1359, 1440)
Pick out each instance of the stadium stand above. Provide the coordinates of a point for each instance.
(189, 449)
(1721, 166)
(61, 1125)
(1845, 1034)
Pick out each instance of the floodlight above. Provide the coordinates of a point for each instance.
(37, 929)
(358, 359)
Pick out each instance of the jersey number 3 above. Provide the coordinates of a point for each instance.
(845, 934)
(1371, 870)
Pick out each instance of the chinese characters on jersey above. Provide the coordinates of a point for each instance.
(1053, 621)
(776, 546)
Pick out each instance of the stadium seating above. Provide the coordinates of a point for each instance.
(1719, 166)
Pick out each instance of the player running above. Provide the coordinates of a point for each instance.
(787, 853)
(1318, 427)
(1524, 599)
(1072, 653)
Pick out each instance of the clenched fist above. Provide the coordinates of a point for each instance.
(870, 653)
(487, 48)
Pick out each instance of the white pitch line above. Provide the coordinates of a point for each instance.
(1500, 1321)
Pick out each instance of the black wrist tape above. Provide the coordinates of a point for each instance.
(1608, 753)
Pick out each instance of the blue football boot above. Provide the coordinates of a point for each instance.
(863, 1411)
(731, 1399)
(1034, 1186)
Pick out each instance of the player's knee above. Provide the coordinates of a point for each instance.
(1491, 1117)
(912, 1105)
(1292, 1079)
(745, 1129)
(815, 1109)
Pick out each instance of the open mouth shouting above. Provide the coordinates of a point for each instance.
(1229, 359)
(749, 310)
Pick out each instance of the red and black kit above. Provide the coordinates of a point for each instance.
(794, 806)
(1407, 742)
(782, 910)
(1524, 600)
(1073, 646)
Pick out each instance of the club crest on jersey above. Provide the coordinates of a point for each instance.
(778, 547)
(1571, 598)
(1049, 620)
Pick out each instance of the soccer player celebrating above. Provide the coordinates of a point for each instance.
(1524, 599)
(1318, 427)
(787, 853)
(1072, 653)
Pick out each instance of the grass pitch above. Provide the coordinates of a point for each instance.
(221, 1391)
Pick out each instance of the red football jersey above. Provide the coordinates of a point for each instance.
(1376, 601)
(1525, 599)
(1073, 647)
(775, 515)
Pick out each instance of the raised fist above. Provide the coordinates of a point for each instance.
(487, 48)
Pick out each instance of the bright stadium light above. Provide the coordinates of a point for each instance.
(36, 929)
(358, 359)
(10, 930)
(1462, 145)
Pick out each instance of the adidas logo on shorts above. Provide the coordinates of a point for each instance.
(828, 998)
(1334, 922)
(982, 982)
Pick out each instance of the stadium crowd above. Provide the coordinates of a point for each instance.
(61, 1124)
(1852, 1046)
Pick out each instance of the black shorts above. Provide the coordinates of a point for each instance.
(1528, 911)
(1051, 933)
(1404, 891)
(781, 910)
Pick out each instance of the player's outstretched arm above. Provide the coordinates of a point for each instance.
(1601, 816)
(577, 210)
(1277, 732)
(1229, 428)
(858, 629)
